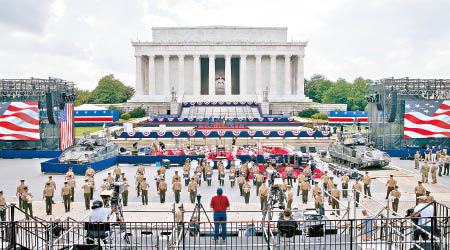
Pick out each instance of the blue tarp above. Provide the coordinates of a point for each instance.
(28, 154)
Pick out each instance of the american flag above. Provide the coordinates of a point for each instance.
(427, 119)
(19, 121)
(66, 126)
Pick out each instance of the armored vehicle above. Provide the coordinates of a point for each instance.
(352, 150)
(89, 149)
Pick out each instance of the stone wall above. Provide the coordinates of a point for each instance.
(151, 108)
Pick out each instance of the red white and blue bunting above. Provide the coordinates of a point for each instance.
(222, 133)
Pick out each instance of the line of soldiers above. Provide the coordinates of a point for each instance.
(440, 165)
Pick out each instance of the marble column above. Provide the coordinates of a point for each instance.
(212, 75)
(258, 86)
(227, 74)
(287, 75)
(300, 88)
(273, 75)
(166, 76)
(243, 75)
(139, 74)
(180, 75)
(196, 84)
(151, 75)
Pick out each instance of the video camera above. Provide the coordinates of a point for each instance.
(111, 196)
(275, 194)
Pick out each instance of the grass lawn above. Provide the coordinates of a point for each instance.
(314, 120)
(80, 130)
(122, 120)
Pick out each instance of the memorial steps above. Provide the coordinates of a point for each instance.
(220, 111)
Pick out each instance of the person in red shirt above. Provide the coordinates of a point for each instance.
(220, 205)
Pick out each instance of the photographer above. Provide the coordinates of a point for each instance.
(286, 224)
(99, 213)
(425, 211)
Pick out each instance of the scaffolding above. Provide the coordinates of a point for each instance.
(36, 90)
(387, 98)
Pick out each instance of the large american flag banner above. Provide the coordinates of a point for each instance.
(19, 121)
(427, 119)
(66, 126)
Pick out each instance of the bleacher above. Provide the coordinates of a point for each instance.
(220, 111)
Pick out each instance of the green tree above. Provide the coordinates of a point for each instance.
(137, 112)
(111, 90)
(316, 87)
(82, 96)
(338, 93)
(356, 99)
(308, 112)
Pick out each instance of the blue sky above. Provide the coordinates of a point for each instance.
(85, 39)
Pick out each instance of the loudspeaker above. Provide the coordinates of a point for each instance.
(379, 107)
(393, 112)
(49, 102)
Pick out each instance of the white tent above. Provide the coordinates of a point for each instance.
(89, 107)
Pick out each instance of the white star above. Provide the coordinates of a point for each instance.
(426, 104)
(417, 106)
(431, 106)
(407, 106)
(426, 111)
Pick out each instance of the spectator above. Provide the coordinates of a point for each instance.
(194, 227)
(286, 224)
(367, 226)
(220, 204)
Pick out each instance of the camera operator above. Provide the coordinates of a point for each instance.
(425, 211)
(286, 224)
(99, 213)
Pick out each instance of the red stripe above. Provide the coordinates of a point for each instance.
(15, 109)
(12, 126)
(426, 132)
(330, 119)
(442, 113)
(24, 117)
(437, 123)
(444, 106)
(77, 119)
(31, 103)
(406, 137)
(19, 137)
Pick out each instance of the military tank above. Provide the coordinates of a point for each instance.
(88, 149)
(351, 149)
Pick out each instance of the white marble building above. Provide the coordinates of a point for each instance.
(219, 63)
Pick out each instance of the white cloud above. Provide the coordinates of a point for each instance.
(86, 39)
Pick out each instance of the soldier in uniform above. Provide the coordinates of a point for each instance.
(52, 183)
(192, 189)
(429, 197)
(48, 194)
(69, 174)
(419, 190)
(357, 186)
(344, 180)
(330, 186)
(334, 203)
(446, 165)
(424, 171)
(139, 179)
(176, 188)
(283, 188)
(104, 187)
(318, 201)
(290, 197)
(65, 194)
(325, 178)
(315, 189)
(162, 171)
(2, 205)
(433, 173)
(162, 191)
(416, 160)
(176, 177)
(221, 174)
(158, 179)
(395, 194)
(263, 192)
(259, 182)
(87, 194)
(246, 188)
(305, 187)
(441, 163)
(140, 170)
(26, 202)
(289, 170)
(367, 181)
(255, 172)
(72, 184)
(391, 183)
(117, 172)
(300, 178)
(92, 186)
(89, 172)
(307, 171)
(204, 168)
(144, 189)
(20, 190)
(241, 181)
(125, 191)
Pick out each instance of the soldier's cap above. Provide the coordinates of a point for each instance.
(65, 182)
(391, 175)
(104, 179)
(50, 177)
(22, 180)
(367, 172)
(335, 185)
(109, 173)
(396, 187)
(420, 182)
(145, 178)
(86, 180)
(25, 187)
(428, 192)
(422, 197)
(331, 177)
